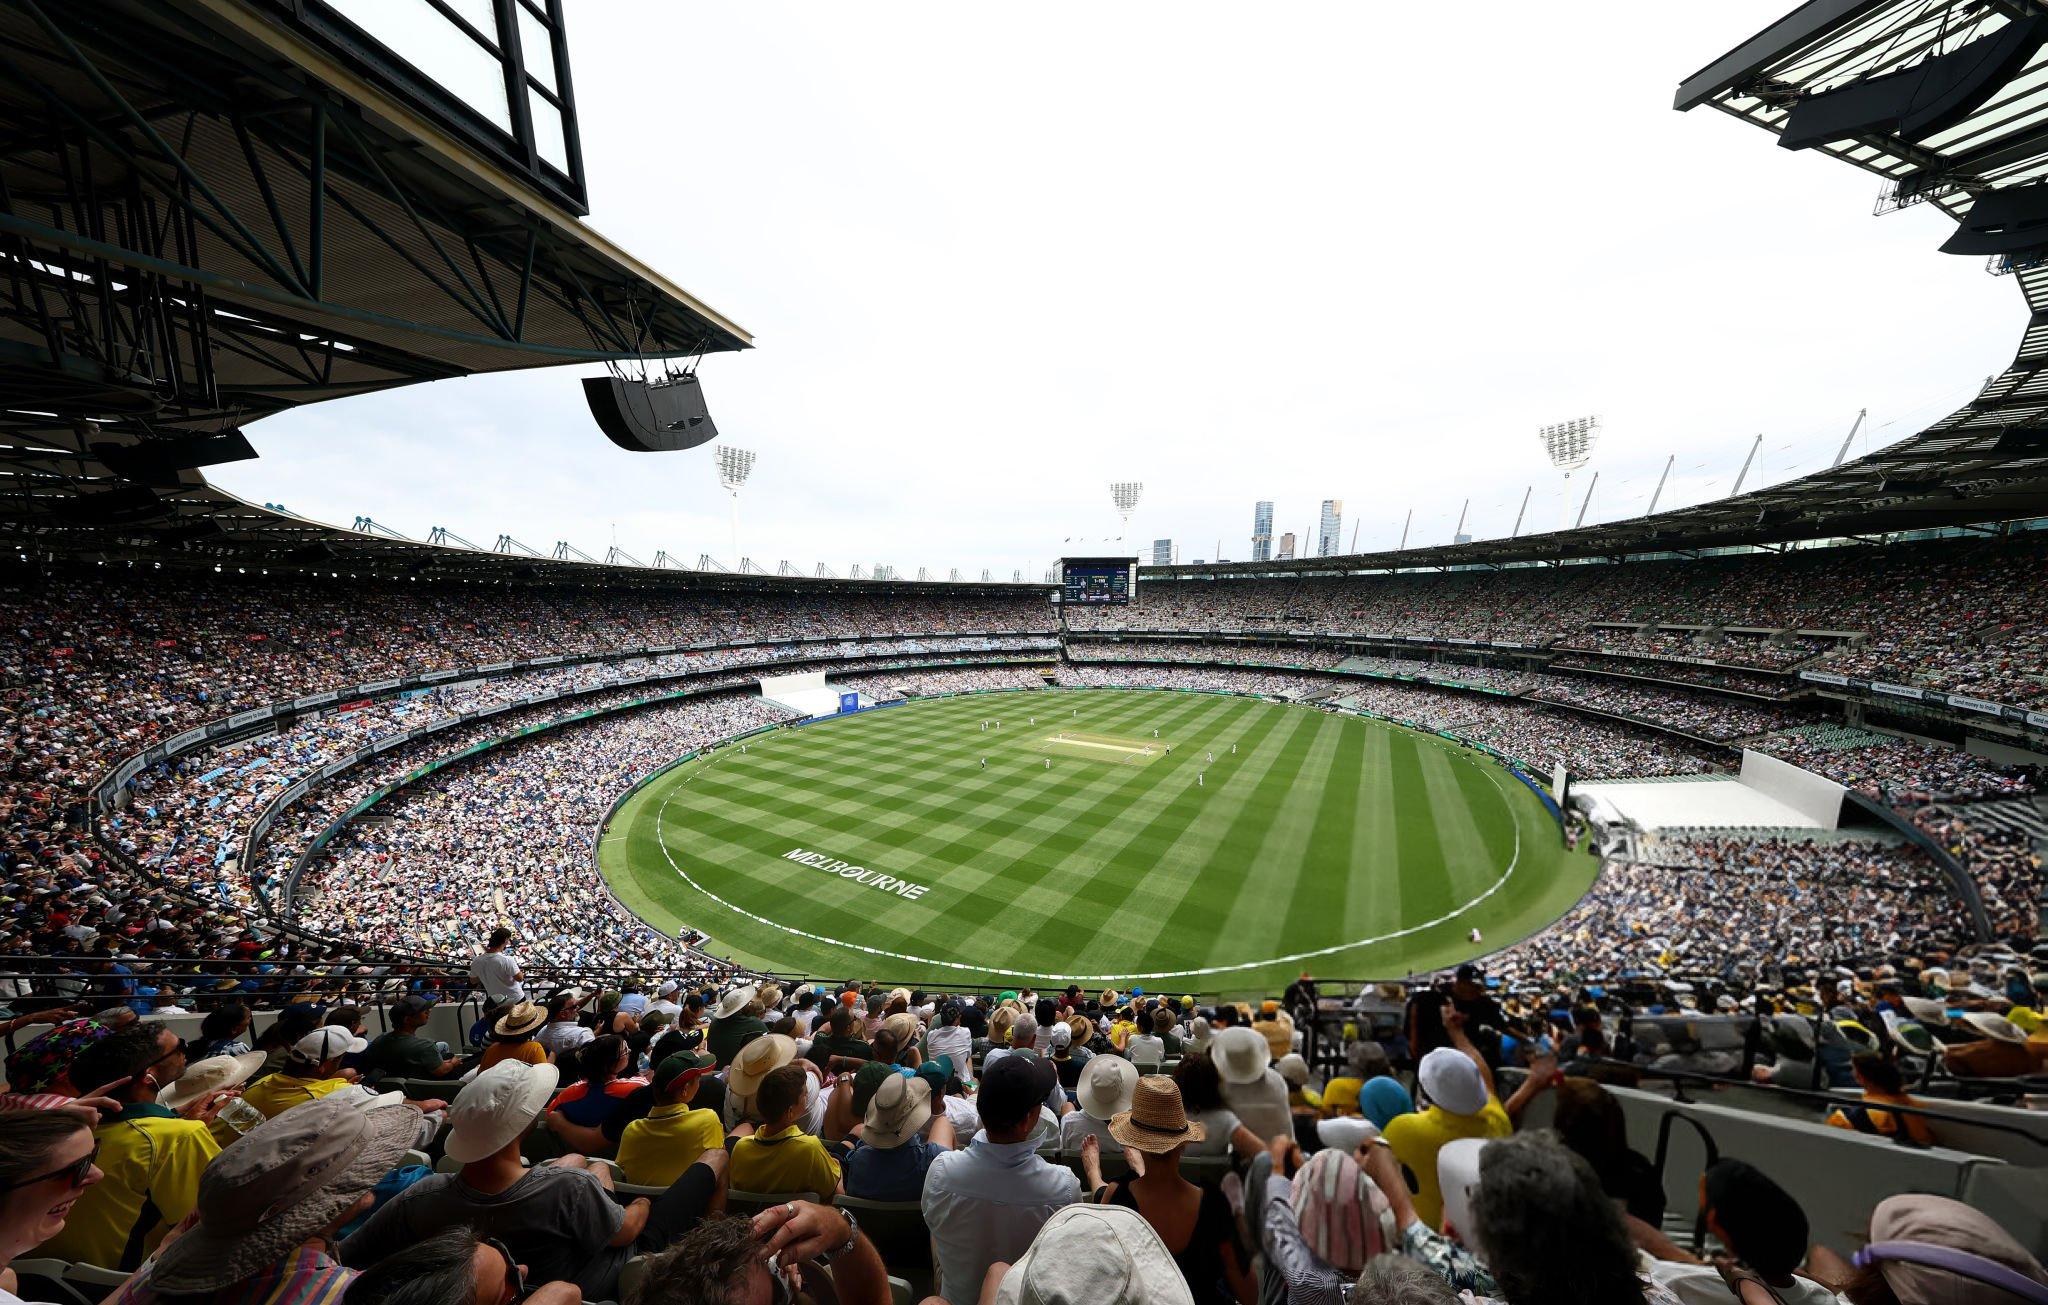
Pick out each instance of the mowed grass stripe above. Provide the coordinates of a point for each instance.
(1425, 894)
(1318, 909)
(1276, 838)
(1372, 894)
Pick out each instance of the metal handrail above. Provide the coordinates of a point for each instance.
(1678, 1076)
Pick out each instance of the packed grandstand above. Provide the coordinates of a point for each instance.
(271, 786)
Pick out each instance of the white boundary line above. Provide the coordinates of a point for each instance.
(661, 837)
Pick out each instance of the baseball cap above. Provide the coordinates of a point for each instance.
(680, 1064)
(1014, 1087)
(410, 1005)
(326, 1043)
(1452, 1081)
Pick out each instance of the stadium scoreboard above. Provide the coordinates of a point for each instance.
(1097, 581)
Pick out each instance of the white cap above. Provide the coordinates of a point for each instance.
(326, 1043)
(1450, 1079)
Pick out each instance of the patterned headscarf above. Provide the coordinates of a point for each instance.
(1334, 1213)
(38, 1066)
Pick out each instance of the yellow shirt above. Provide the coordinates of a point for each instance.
(788, 1161)
(655, 1151)
(152, 1160)
(273, 1094)
(1416, 1138)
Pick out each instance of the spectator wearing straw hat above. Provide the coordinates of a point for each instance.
(1252, 1088)
(743, 1078)
(269, 1206)
(894, 1152)
(513, 1036)
(1999, 1050)
(312, 1072)
(1104, 1090)
(1195, 1224)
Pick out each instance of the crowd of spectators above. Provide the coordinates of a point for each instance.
(1961, 616)
(1712, 717)
(1896, 771)
(1120, 1148)
(2004, 863)
(1741, 910)
(1045, 1160)
(506, 839)
(887, 684)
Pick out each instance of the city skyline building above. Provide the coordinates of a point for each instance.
(1286, 547)
(1162, 552)
(1262, 530)
(1330, 530)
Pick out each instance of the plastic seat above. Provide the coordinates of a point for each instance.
(93, 1276)
(739, 1202)
(44, 1280)
(899, 1234)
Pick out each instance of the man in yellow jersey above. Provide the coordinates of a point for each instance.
(152, 1156)
(654, 1151)
(311, 1071)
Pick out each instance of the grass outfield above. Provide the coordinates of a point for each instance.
(1335, 843)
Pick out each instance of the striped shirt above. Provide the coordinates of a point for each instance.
(304, 1277)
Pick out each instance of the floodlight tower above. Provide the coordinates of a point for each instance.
(1570, 446)
(734, 465)
(1124, 493)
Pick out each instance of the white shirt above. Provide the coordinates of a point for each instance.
(498, 975)
(986, 1203)
(1146, 1049)
(1261, 1105)
(956, 1044)
(564, 1035)
(1079, 1125)
(966, 1119)
(1219, 1125)
(1701, 1284)
(664, 1006)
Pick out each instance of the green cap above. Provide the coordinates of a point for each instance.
(692, 1063)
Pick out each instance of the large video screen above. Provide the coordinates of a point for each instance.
(1096, 581)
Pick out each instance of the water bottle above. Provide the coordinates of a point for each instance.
(239, 1115)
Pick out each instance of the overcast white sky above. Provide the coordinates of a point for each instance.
(996, 258)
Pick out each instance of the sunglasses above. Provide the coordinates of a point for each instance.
(74, 1174)
(515, 1281)
(180, 1048)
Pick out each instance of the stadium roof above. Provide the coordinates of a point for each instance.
(211, 210)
